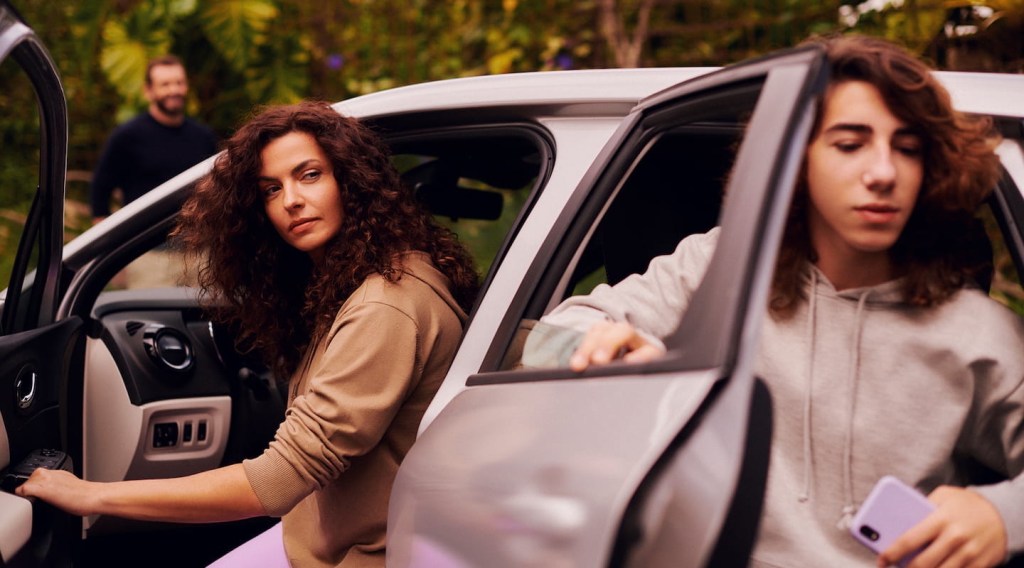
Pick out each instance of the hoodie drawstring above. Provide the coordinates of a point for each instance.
(848, 507)
(811, 311)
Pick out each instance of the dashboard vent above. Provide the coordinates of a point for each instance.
(133, 327)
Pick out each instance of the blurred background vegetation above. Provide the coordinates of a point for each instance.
(243, 53)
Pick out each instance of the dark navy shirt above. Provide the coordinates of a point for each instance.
(142, 153)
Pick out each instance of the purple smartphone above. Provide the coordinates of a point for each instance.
(891, 509)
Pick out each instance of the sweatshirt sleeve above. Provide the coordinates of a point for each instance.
(108, 174)
(1003, 429)
(654, 302)
(368, 368)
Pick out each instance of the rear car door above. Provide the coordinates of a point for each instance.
(36, 350)
(658, 464)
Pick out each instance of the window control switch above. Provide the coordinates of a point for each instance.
(165, 435)
(45, 458)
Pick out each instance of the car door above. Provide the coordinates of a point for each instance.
(658, 464)
(36, 350)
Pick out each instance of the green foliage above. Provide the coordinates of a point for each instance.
(19, 135)
(244, 53)
(246, 60)
(239, 28)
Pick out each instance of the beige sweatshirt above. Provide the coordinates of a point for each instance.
(354, 407)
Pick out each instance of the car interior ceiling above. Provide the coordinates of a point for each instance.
(448, 169)
(674, 191)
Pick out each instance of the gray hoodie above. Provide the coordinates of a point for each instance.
(863, 386)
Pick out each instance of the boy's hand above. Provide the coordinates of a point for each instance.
(964, 530)
(607, 341)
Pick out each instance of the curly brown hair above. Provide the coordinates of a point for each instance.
(272, 294)
(960, 169)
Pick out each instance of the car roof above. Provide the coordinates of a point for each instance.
(546, 88)
(999, 94)
(989, 93)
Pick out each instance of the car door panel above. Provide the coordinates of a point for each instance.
(15, 525)
(613, 447)
(34, 366)
(151, 414)
(38, 353)
(547, 473)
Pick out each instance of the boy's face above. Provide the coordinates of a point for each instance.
(865, 167)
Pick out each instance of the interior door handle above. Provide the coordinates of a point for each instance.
(25, 387)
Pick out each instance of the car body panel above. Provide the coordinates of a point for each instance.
(537, 469)
(984, 93)
(566, 90)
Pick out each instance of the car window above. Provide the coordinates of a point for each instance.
(1002, 278)
(475, 181)
(19, 162)
(672, 188)
(161, 267)
(19, 173)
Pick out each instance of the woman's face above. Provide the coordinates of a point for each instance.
(864, 172)
(300, 194)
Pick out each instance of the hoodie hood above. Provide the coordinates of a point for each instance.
(418, 265)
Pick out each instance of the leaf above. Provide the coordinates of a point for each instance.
(281, 73)
(237, 28)
(124, 56)
(502, 62)
(181, 8)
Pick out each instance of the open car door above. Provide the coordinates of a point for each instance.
(657, 464)
(35, 349)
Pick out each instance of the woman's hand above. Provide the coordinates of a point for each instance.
(607, 341)
(964, 530)
(217, 495)
(63, 490)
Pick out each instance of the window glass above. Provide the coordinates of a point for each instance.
(19, 161)
(1004, 286)
(673, 189)
(474, 183)
(162, 267)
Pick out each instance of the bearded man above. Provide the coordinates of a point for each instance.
(154, 146)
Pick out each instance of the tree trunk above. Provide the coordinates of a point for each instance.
(626, 50)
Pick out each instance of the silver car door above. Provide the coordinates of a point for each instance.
(36, 350)
(646, 464)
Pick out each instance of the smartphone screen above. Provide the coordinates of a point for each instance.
(891, 509)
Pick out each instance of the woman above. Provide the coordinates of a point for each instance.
(866, 355)
(327, 266)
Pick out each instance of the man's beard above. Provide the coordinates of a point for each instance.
(164, 108)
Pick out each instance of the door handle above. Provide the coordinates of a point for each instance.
(25, 387)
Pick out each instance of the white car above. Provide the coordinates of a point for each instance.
(582, 177)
